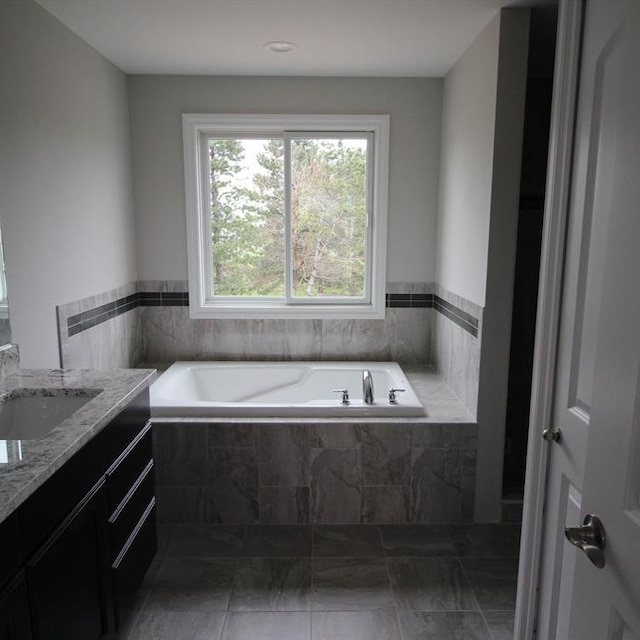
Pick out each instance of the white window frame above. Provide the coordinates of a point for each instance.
(195, 128)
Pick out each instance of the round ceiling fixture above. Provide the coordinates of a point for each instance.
(280, 46)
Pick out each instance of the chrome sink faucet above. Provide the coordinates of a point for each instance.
(367, 386)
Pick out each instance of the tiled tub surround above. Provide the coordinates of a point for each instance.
(169, 333)
(102, 331)
(456, 333)
(41, 458)
(149, 321)
(9, 360)
(5, 330)
(290, 471)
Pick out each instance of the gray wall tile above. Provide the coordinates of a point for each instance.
(385, 454)
(232, 435)
(284, 455)
(385, 505)
(181, 505)
(181, 454)
(284, 505)
(435, 485)
(233, 486)
(335, 486)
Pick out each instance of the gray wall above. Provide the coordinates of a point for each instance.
(65, 174)
(477, 226)
(157, 103)
(468, 124)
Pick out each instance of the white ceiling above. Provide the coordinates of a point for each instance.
(420, 38)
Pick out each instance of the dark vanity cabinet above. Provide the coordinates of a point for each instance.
(86, 538)
(68, 575)
(15, 622)
(14, 600)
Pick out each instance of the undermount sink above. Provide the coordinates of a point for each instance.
(28, 416)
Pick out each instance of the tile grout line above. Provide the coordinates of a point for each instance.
(312, 562)
(464, 571)
(393, 593)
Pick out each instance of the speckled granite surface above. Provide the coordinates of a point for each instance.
(31, 462)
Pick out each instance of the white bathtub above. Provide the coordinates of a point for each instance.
(268, 389)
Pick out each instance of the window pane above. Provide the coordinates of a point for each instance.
(246, 205)
(328, 216)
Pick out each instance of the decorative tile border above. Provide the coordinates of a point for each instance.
(432, 301)
(87, 319)
(80, 322)
(164, 298)
(463, 319)
(411, 300)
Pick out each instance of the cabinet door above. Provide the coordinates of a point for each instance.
(68, 577)
(14, 611)
(133, 562)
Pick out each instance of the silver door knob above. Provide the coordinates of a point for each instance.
(590, 537)
(552, 435)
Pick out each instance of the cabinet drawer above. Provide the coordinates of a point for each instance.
(133, 562)
(124, 472)
(128, 514)
(11, 558)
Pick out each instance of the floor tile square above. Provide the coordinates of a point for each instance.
(348, 584)
(417, 540)
(484, 540)
(282, 625)
(126, 628)
(431, 584)
(494, 581)
(451, 625)
(500, 623)
(207, 541)
(277, 541)
(147, 583)
(354, 540)
(166, 535)
(272, 584)
(170, 625)
(192, 584)
(355, 625)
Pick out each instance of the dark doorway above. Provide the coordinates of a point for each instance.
(531, 214)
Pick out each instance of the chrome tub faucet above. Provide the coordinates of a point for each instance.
(367, 386)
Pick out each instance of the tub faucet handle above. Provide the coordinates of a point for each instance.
(392, 395)
(345, 395)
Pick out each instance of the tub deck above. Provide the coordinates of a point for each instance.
(440, 403)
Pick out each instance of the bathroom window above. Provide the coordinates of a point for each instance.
(286, 215)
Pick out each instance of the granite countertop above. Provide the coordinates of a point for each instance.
(29, 463)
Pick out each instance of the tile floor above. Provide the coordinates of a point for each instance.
(353, 582)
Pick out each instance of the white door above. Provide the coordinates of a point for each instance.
(595, 468)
